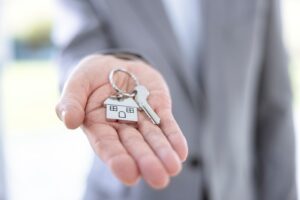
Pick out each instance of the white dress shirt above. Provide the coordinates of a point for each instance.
(185, 18)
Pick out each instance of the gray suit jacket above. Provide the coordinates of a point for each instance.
(237, 117)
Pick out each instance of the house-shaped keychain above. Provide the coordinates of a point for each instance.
(121, 109)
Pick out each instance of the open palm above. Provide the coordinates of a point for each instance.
(131, 150)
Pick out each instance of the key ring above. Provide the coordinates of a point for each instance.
(121, 93)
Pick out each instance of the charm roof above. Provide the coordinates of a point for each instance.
(128, 102)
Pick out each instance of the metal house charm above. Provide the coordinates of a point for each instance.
(121, 109)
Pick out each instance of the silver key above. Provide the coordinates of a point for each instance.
(141, 99)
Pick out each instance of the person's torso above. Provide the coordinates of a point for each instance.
(215, 113)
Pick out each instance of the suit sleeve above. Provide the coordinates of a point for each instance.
(276, 177)
(79, 31)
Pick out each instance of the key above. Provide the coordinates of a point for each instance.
(141, 99)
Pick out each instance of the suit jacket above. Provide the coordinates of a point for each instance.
(236, 117)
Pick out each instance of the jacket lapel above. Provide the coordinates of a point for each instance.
(159, 25)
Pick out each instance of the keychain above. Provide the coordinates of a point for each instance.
(125, 105)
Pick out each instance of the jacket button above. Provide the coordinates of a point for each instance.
(195, 162)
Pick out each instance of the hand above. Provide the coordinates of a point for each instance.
(131, 150)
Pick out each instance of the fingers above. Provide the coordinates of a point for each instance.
(113, 149)
(161, 103)
(151, 168)
(173, 133)
(161, 146)
(105, 142)
(148, 146)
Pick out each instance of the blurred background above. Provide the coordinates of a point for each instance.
(43, 160)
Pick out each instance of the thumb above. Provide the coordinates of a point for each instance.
(89, 74)
(71, 106)
(70, 111)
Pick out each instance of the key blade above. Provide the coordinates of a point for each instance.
(141, 99)
(151, 114)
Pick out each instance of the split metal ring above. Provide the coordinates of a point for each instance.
(120, 92)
